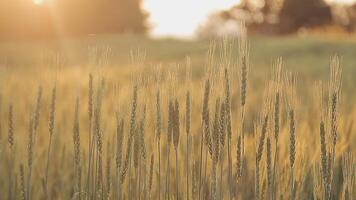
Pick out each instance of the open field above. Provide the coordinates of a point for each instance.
(307, 56)
(132, 118)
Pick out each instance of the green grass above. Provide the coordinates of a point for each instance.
(308, 56)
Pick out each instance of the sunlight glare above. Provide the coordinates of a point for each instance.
(38, 2)
(181, 17)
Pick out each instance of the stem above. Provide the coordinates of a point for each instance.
(95, 173)
(187, 166)
(257, 181)
(91, 141)
(229, 167)
(292, 184)
(129, 181)
(29, 184)
(47, 166)
(139, 179)
(144, 182)
(221, 174)
(177, 172)
(200, 164)
(11, 165)
(275, 169)
(159, 169)
(118, 183)
(167, 173)
(206, 163)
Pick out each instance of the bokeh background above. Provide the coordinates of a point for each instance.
(28, 19)
(38, 34)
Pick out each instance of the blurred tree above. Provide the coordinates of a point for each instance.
(295, 14)
(24, 19)
(279, 16)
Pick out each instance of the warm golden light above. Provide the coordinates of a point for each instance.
(38, 2)
(181, 17)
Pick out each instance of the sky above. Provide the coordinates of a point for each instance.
(180, 18)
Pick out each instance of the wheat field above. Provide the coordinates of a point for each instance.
(212, 126)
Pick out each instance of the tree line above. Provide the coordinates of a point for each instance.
(24, 19)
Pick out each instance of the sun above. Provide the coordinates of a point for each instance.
(38, 2)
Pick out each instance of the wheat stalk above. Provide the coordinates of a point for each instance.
(158, 136)
(216, 149)
(37, 111)
(51, 125)
(187, 128)
(33, 126)
(108, 171)
(127, 163)
(76, 144)
(98, 177)
(30, 155)
(269, 168)
(169, 141)
(176, 132)
(228, 129)
(334, 98)
(22, 183)
(244, 56)
(91, 136)
(150, 179)
(260, 133)
(118, 156)
(142, 151)
(290, 83)
(11, 140)
(205, 130)
(324, 159)
(277, 74)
